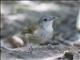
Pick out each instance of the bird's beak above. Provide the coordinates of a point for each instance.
(54, 18)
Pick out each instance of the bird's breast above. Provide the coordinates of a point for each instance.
(43, 34)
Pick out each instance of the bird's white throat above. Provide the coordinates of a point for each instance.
(48, 26)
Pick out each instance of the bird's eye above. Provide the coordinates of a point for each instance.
(45, 19)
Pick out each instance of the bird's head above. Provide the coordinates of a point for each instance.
(47, 20)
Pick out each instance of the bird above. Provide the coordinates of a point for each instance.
(42, 34)
(44, 31)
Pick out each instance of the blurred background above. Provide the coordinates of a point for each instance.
(16, 16)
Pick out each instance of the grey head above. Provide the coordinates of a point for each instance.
(47, 19)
